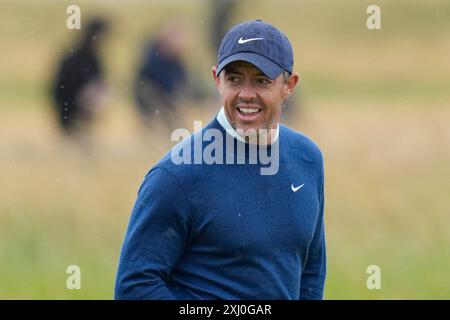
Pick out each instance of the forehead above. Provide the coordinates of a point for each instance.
(241, 67)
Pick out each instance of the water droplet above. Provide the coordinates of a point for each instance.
(169, 233)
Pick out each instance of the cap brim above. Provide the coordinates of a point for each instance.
(268, 67)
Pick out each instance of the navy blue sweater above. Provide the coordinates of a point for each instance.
(224, 231)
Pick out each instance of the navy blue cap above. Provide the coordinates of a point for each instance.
(258, 43)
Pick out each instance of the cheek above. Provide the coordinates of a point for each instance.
(229, 96)
(272, 102)
(229, 99)
(273, 105)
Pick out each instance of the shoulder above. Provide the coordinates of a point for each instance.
(185, 158)
(159, 181)
(299, 143)
(178, 163)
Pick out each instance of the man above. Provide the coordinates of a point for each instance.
(162, 79)
(227, 230)
(79, 85)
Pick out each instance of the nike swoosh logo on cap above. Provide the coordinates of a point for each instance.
(242, 41)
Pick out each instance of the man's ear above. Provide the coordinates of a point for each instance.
(217, 79)
(291, 83)
(215, 76)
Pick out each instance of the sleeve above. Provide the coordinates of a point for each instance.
(314, 271)
(156, 238)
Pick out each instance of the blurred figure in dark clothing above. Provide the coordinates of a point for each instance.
(162, 76)
(79, 85)
(222, 12)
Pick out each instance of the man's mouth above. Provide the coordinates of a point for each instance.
(248, 111)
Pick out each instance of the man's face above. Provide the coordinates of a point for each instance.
(251, 99)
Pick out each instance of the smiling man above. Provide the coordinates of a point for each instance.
(226, 230)
(252, 100)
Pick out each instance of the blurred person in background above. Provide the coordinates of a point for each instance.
(79, 87)
(162, 78)
(222, 12)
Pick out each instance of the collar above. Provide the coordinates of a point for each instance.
(223, 120)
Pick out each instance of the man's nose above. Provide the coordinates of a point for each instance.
(247, 91)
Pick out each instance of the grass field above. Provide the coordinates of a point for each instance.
(377, 103)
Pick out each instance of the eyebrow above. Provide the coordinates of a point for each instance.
(235, 71)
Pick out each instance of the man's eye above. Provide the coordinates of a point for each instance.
(233, 79)
(263, 81)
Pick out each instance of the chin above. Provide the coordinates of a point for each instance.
(246, 127)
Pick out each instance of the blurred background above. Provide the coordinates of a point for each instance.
(84, 114)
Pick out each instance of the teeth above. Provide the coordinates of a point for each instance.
(248, 110)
